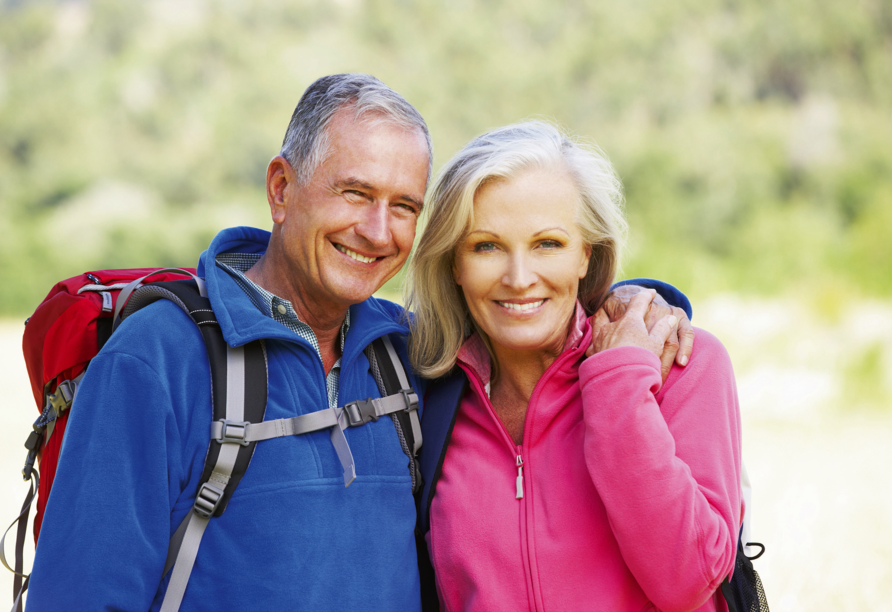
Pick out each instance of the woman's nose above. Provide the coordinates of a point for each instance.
(520, 273)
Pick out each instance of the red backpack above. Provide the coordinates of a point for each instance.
(65, 332)
(76, 319)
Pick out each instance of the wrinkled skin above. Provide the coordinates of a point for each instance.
(617, 324)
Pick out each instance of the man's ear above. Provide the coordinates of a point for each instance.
(280, 178)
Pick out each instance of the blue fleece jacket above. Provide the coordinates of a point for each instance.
(292, 537)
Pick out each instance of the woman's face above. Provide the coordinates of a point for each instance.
(520, 263)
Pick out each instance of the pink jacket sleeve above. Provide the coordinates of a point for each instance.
(666, 463)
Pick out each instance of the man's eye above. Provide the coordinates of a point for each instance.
(407, 208)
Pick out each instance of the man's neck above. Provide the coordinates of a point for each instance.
(325, 321)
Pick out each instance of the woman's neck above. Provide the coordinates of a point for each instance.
(516, 375)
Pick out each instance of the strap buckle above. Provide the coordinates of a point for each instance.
(207, 500)
(61, 400)
(411, 399)
(233, 432)
(360, 412)
(33, 444)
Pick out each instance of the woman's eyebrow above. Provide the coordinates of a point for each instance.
(551, 229)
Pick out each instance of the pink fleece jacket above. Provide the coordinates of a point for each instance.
(622, 496)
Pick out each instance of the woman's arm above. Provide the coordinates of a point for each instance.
(666, 463)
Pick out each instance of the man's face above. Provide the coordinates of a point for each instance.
(350, 229)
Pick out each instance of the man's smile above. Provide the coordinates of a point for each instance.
(354, 254)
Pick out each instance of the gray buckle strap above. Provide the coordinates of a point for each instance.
(361, 412)
(354, 414)
(345, 455)
(185, 561)
(207, 500)
(209, 495)
(230, 431)
(406, 389)
(242, 432)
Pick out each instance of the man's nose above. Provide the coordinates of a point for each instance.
(520, 274)
(374, 224)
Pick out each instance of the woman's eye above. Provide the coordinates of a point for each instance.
(483, 247)
(550, 244)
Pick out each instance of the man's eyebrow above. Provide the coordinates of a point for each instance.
(354, 182)
(415, 201)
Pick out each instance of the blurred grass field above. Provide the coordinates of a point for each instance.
(817, 443)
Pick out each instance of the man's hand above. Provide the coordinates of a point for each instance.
(678, 345)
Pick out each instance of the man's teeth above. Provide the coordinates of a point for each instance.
(528, 306)
(354, 254)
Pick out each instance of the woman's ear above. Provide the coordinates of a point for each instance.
(586, 257)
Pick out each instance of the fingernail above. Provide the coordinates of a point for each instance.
(672, 320)
(684, 360)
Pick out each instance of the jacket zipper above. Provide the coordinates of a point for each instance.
(517, 453)
(519, 462)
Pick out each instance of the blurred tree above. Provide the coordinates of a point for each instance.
(752, 137)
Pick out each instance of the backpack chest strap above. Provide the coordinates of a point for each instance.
(354, 414)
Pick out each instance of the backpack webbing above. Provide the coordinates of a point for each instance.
(239, 397)
(393, 380)
(238, 394)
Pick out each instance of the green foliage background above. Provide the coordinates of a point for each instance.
(753, 137)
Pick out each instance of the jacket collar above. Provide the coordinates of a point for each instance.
(240, 320)
(474, 354)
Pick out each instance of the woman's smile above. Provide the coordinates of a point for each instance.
(520, 263)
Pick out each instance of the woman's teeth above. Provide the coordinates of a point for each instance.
(354, 254)
(528, 306)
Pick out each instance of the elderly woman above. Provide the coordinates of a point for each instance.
(566, 481)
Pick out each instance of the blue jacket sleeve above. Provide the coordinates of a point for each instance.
(668, 292)
(123, 465)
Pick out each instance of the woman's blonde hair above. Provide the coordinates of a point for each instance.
(441, 319)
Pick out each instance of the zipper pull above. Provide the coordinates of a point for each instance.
(519, 477)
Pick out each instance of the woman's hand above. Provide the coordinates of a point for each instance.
(637, 322)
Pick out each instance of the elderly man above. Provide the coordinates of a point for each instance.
(345, 195)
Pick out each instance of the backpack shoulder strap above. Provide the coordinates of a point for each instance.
(390, 374)
(440, 410)
(239, 395)
(441, 404)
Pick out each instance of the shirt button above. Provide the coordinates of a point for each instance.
(281, 308)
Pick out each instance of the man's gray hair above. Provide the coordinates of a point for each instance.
(306, 141)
